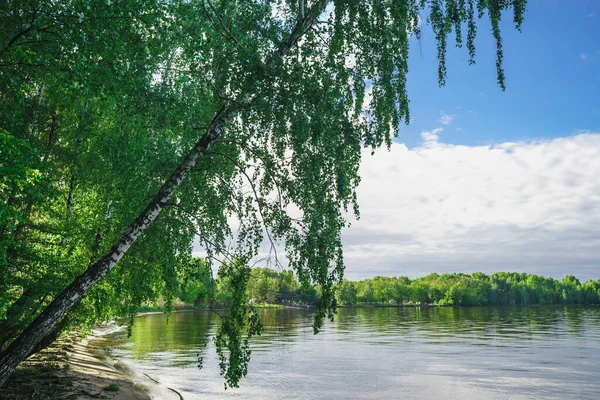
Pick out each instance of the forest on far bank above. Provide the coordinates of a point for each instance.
(269, 286)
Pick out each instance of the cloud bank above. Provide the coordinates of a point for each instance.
(521, 206)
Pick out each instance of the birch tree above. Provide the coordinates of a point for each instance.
(131, 128)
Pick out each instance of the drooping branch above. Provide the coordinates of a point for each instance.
(257, 200)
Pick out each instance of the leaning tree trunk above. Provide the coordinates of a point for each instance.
(48, 321)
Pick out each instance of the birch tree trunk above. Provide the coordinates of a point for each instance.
(48, 321)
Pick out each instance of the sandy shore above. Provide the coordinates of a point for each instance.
(93, 376)
(132, 383)
(73, 369)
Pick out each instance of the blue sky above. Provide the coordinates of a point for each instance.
(485, 180)
(552, 75)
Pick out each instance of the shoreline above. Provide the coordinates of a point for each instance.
(93, 373)
(356, 306)
(72, 369)
(144, 386)
(76, 368)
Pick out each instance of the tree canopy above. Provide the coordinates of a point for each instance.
(133, 127)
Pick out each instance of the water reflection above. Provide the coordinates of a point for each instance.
(462, 353)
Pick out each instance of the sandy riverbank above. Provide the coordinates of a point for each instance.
(92, 375)
(73, 369)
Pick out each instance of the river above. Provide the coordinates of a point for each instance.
(380, 353)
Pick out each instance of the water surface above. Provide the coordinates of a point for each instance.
(382, 353)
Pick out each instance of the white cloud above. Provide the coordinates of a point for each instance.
(446, 119)
(525, 206)
(583, 56)
(431, 137)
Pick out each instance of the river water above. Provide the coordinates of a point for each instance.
(380, 353)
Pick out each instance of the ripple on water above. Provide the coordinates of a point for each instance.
(470, 353)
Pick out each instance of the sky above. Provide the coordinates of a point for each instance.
(490, 180)
(486, 180)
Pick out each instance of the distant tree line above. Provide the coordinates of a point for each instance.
(476, 289)
(268, 286)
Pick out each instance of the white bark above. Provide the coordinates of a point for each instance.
(47, 322)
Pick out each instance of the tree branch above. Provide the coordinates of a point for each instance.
(302, 25)
(212, 7)
(23, 32)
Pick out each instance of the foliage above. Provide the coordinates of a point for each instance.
(242, 322)
(477, 289)
(460, 289)
(102, 100)
(196, 282)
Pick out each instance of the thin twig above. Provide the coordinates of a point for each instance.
(256, 197)
(222, 23)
